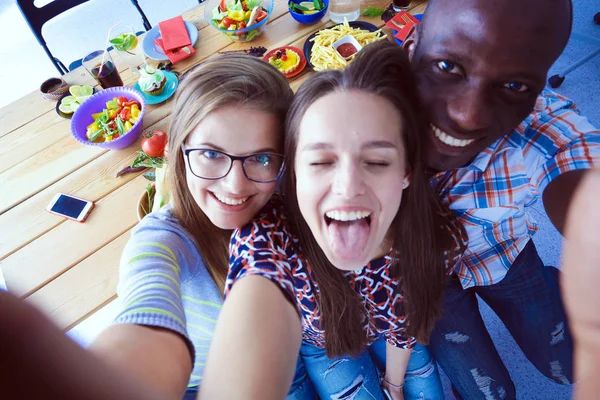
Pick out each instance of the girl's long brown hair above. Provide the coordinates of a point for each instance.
(237, 79)
(419, 232)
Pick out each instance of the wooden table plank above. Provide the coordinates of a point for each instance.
(55, 252)
(92, 182)
(29, 219)
(83, 289)
(42, 170)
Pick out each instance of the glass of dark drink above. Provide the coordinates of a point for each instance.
(400, 5)
(102, 67)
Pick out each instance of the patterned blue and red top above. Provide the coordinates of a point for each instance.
(267, 247)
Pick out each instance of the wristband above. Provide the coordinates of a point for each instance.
(400, 386)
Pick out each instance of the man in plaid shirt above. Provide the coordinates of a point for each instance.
(499, 142)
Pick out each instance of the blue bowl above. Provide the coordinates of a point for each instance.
(417, 16)
(308, 18)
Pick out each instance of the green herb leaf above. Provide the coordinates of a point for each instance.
(150, 175)
(252, 3)
(373, 12)
(144, 160)
(298, 7)
(218, 15)
(120, 125)
(95, 135)
(151, 192)
(317, 4)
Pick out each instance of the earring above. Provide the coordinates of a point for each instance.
(405, 185)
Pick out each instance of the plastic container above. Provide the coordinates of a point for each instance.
(83, 117)
(240, 35)
(340, 9)
(350, 40)
(308, 18)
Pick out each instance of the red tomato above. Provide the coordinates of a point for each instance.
(244, 6)
(223, 6)
(125, 114)
(154, 142)
(242, 26)
(262, 14)
(227, 21)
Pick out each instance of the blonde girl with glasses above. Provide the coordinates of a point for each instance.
(226, 140)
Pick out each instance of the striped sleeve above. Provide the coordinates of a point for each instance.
(149, 280)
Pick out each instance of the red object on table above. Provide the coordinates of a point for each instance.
(346, 50)
(177, 54)
(174, 34)
(403, 23)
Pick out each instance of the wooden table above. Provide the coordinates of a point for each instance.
(68, 269)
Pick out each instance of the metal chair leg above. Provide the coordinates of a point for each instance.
(557, 80)
(145, 21)
(57, 64)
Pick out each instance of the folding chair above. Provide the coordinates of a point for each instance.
(36, 17)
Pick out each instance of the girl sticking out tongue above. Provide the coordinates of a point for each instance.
(354, 256)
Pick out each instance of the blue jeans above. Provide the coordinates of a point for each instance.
(301, 388)
(528, 302)
(358, 378)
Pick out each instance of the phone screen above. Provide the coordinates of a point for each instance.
(69, 206)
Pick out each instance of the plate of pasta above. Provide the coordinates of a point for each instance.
(320, 52)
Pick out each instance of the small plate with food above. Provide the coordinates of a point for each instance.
(153, 51)
(72, 99)
(156, 85)
(289, 60)
(319, 47)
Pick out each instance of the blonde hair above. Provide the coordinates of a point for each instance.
(240, 79)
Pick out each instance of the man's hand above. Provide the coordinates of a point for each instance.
(581, 283)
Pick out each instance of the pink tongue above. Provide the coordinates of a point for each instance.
(349, 238)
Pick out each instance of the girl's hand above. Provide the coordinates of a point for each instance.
(393, 392)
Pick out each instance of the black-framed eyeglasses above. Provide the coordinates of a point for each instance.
(214, 164)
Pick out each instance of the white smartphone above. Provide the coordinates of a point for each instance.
(70, 207)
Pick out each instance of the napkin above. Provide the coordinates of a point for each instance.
(174, 34)
(177, 54)
(402, 23)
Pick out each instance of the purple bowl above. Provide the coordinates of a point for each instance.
(83, 117)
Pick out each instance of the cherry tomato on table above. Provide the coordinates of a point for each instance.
(154, 142)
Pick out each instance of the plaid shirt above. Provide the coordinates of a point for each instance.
(491, 194)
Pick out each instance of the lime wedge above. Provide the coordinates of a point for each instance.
(308, 4)
(133, 44)
(68, 100)
(75, 90)
(149, 69)
(86, 90)
(65, 108)
(74, 106)
(81, 99)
